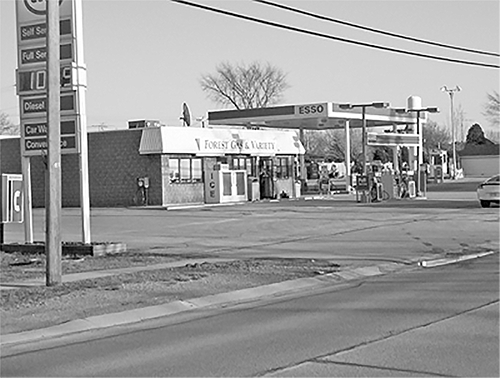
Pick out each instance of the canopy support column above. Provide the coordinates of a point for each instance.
(303, 173)
(347, 156)
(395, 159)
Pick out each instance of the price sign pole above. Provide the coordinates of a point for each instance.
(53, 248)
(51, 85)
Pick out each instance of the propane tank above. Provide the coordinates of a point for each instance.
(414, 103)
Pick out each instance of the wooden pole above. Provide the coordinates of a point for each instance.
(28, 205)
(53, 177)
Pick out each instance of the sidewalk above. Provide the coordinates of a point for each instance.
(72, 277)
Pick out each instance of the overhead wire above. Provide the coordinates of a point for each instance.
(373, 30)
(331, 37)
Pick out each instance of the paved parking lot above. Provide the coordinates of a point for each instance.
(337, 227)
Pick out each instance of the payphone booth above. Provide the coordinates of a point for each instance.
(12, 201)
(223, 185)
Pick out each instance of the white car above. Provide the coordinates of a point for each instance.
(489, 191)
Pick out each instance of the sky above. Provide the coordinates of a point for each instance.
(145, 58)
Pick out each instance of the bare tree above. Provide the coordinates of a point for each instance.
(245, 87)
(6, 126)
(492, 108)
(330, 144)
(435, 136)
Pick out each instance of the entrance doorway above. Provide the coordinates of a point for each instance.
(266, 169)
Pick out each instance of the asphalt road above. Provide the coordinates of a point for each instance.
(422, 322)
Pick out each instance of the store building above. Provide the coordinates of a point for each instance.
(480, 160)
(162, 166)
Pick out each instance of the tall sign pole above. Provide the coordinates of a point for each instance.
(451, 92)
(53, 179)
(38, 103)
(81, 79)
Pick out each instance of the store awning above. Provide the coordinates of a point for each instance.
(219, 141)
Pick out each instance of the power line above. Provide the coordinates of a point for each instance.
(373, 30)
(321, 35)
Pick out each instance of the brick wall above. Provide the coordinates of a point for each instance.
(114, 166)
(10, 161)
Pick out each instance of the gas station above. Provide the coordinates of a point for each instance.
(404, 123)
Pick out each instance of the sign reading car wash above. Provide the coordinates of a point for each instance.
(12, 198)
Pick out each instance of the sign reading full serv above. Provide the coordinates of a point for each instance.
(12, 198)
(311, 110)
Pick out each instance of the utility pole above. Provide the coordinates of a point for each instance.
(53, 177)
(451, 92)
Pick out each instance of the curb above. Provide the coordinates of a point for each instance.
(175, 307)
(440, 262)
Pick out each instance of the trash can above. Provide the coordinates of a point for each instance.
(412, 190)
(298, 185)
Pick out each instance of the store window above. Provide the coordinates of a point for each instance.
(244, 164)
(185, 170)
(238, 163)
(282, 167)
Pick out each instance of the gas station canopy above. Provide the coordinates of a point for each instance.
(318, 116)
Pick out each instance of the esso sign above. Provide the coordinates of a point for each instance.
(30, 11)
(310, 110)
(38, 7)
